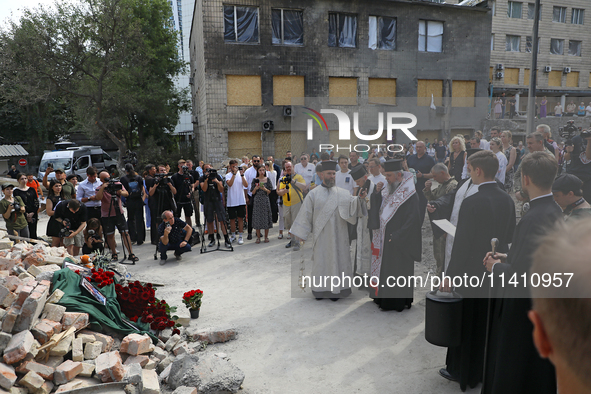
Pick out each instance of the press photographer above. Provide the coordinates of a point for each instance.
(161, 192)
(134, 184)
(71, 214)
(578, 155)
(13, 210)
(212, 186)
(291, 188)
(183, 181)
(112, 214)
(174, 235)
(93, 237)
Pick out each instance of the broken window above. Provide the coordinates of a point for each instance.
(529, 44)
(241, 24)
(288, 27)
(512, 43)
(430, 36)
(556, 46)
(574, 48)
(342, 30)
(382, 33)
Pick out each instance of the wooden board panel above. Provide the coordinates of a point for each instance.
(590, 80)
(428, 87)
(432, 135)
(241, 143)
(572, 79)
(555, 78)
(526, 76)
(289, 141)
(342, 91)
(511, 76)
(287, 88)
(462, 93)
(490, 74)
(244, 90)
(382, 91)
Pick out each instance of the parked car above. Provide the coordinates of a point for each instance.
(75, 161)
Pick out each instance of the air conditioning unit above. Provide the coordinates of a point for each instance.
(195, 119)
(547, 69)
(499, 66)
(566, 70)
(190, 80)
(287, 110)
(268, 125)
(500, 75)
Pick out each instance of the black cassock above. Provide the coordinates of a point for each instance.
(513, 365)
(402, 247)
(487, 214)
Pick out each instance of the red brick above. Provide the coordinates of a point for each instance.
(18, 347)
(135, 344)
(57, 326)
(42, 332)
(12, 282)
(45, 371)
(109, 367)
(67, 371)
(32, 380)
(78, 320)
(106, 340)
(7, 376)
(45, 283)
(24, 292)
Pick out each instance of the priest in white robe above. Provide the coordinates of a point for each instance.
(324, 215)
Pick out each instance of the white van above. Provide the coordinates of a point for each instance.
(75, 161)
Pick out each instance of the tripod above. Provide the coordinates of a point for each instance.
(162, 195)
(120, 218)
(222, 224)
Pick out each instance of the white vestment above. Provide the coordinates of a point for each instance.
(467, 189)
(325, 213)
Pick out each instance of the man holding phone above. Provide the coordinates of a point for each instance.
(174, 235)
(236, 201)
(60, 176)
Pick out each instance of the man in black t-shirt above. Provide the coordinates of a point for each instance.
(174, 235)
(183, 182)
(134, 184)
(72, 214)
(440, 152)
(161, 193)
(213, 208)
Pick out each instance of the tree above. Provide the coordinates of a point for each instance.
(113, 61)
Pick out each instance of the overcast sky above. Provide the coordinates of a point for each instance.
(15, 6)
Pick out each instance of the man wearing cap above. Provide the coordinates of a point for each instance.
(568, 193)
(396, 237)
(67, 188)
(325, 213)
(362, 233)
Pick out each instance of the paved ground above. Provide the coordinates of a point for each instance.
(299, 345)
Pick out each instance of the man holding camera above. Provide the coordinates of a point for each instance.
(212, 186)
(578, 160)
(134, 184)
(291, 189)
(71, 214)
(12, 208)
(161, 192)
(197, 173)
(236, 202)
(112, 214)
(183, 182)
(174, 235)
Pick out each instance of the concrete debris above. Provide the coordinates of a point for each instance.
(209, 374)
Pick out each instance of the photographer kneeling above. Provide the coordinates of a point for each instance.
(13, 210)
(174, 235)
(71, 214)
(112, 214)
(211, 184)
(93, 237)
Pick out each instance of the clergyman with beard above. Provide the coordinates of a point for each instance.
(324, 214)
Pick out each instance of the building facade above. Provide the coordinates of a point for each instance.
(251, 59)
(564, 52)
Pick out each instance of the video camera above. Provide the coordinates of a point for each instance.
(113, 187)
(161, 179)
(212, 174)
(568, 132)
(66, 230)
(130, 158)
(286, 180)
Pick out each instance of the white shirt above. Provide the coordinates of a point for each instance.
(502, 167)
(250, 174)
(484, 144)
(306, 172)
(236, 191)
(558, 110)
(344, 180)
(272, 175)
(87, 189)
(377, 179)
(588, 110)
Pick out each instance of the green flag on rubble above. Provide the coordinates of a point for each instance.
(101, 317)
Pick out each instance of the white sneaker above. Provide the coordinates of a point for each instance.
(240, 241)
(232, 238)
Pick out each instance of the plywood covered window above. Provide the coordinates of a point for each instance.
(430, 36)
(342, 30)
(511, 76)
(243, 90)
(241, 24)
(462, 93)
(382, 91)
(427, 88)
(288, 90)
(572, 79)
(288, 27)
(555, 78)
(342, 91)
(382, 33)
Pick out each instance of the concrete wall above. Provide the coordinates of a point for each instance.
(465, 56)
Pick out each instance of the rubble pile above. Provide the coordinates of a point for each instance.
(45, 348)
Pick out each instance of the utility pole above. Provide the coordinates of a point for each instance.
(531, 99)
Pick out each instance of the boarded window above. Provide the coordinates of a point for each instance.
(243, 89)
(244, 143)
(590, 80)
(555, 78)
(294, 141)
(342, 91)
(511, 76)
(462, 93)
(490, 74)
(382, 91)
(526, 76)
(428, 87)
(572, 79)
(288, 90)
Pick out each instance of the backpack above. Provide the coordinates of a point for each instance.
(135, 188)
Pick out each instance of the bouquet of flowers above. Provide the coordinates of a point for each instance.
(192, 299)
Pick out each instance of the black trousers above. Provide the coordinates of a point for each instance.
(422, 205)
(250, 207)
(93, 212)
(135, 220)
(33, 226)
(274, 207)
